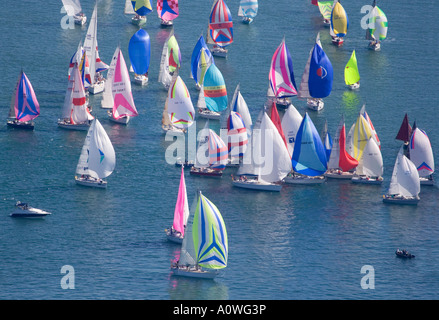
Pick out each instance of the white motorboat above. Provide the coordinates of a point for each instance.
(24, 210)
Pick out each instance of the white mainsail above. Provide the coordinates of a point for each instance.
(421, 153)
(107, 95)
(97, 158)
(371, 163)
(266, 155)
(405, 177)
(290, 125)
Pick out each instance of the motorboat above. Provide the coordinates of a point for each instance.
(404, 254)
(24, 210)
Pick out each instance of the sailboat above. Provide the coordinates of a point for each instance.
(340, 162)
(358, 136)
(141, 8)
(282, 85)
(327, 140)
(421, 154)
(213, 94)
(218, 154)
(201, 59)
(377, 27)
(266, 161)
(24, 105)
(220, 30)
(317, 78)
(139, 50)
(81, 60)
(309, 157)
(179, 113)
(73, 8)
(91, 49)
(238, 105)
(238, 123)
(204, 251)
(404, 135)
(97, 160)
(339, 23)
(291, 122)
(123, 103)
(75, 111)
(170, 61)
(181, 213)
(325, 8)
(167, 11)
(405, 185)
(370, 165)
(351, 73)
(107, 95)
(248, 9)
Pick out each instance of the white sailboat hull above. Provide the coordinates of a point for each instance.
(400, 200)
(173, 130)
(339, 175)
(80, 20)
(366, 180)
(426, 181)
(176, 238)
(138, 20)
(166, 23)
(122, 120)
(97, 87)
(315, 104)
(305, 180)
(257, 185)
(354, 86)
(194, 273)
(141, 80)
(102, 184)
(219, 52)
(80, 126)
(208, 114)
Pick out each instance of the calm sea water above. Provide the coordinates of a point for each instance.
(301, 243)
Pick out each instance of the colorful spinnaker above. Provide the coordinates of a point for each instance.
(167, 10)
(351, 73)
(181, 212)
(218, 152)
(123, 102)
(248, 9)
(340, 159)
(205, 244)
(237, 135)
(377, 24)
(339, 20)
(215, 92)
(201, 60)
(281, 75)
(142, 7)
(309, 157)
(24, 105)
(220, 24)
(170, 60)
(318, 75)
(325, 8)
(139, 50)
(180, 108)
